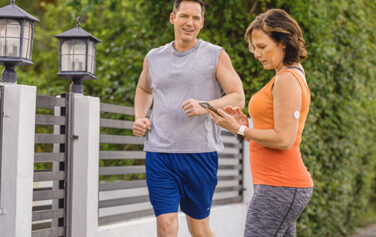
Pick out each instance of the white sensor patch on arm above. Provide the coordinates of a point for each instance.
(296, 115)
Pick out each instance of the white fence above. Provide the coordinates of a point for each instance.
(17, 159)
(123, 194)
(17, 156)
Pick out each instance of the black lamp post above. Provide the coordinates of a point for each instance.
(16, 40)
(78, 50)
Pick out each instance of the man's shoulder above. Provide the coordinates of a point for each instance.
(159, 50)
(210, 46)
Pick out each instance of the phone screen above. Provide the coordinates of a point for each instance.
(205, 105)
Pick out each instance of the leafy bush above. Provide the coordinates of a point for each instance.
(338, 144)
(339, 139)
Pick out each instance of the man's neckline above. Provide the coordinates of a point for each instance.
(177, 53)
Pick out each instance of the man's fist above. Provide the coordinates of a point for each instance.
(140, 126)
(192, 108)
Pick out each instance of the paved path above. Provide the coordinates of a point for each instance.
(369, 231)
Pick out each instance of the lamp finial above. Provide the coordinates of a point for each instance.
(13, 2)
(78, 22)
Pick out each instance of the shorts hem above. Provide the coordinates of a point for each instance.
(190, 151)
(196, 216)
(164, 212)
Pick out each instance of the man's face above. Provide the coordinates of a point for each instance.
(187, 21)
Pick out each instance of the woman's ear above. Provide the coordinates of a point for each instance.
(283, 44)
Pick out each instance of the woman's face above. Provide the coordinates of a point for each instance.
(267, 51)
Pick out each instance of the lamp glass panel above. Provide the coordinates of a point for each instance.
(30, 50)
(12, 48)
(13, 29)
(90, 64)
(10, 33)
(73, 55)
(26, 46)
(79, 63)
(27, 30)
(74, 46)
(91, 57)
(3, 30)
(94, 65)
(3, 27)
(80, 47)
(91, 48)
(66, 63)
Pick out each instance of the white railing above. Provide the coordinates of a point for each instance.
(17, 160)
(1, 140)
(17, 176)
(123, 194)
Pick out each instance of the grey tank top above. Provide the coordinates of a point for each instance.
(176, 77)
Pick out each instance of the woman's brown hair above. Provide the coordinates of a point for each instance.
(280, 27)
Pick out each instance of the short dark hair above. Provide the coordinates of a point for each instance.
(281, 27)
(201, 2)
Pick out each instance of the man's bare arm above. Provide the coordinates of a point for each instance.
(230, 82)
(142, 103)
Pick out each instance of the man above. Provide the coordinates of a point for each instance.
(182, 142)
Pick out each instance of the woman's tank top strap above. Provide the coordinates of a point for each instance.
(297, 68)
(302, 81)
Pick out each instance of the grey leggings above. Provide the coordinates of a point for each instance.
(274, 210)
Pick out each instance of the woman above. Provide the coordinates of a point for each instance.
(282, 184)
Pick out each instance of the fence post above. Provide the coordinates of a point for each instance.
(84, 165)
(247, 175)
(55, 165)
(17, 156)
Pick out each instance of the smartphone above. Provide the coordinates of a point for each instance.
(205, 105)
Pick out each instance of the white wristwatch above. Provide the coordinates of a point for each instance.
(241, 130)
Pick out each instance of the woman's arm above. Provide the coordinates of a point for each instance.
(287, 99)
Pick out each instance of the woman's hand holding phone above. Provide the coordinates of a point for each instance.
(238, 115)
(231, 118)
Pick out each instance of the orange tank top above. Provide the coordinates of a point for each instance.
(272, 166)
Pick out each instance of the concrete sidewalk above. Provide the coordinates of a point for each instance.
(369, 231)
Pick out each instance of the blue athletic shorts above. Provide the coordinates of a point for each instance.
(185, 178)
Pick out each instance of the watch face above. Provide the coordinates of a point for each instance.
(241, 130)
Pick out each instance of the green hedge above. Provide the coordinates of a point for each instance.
(339, 139)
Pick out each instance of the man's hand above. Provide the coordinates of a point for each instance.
(192, 108)
(140, 126)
